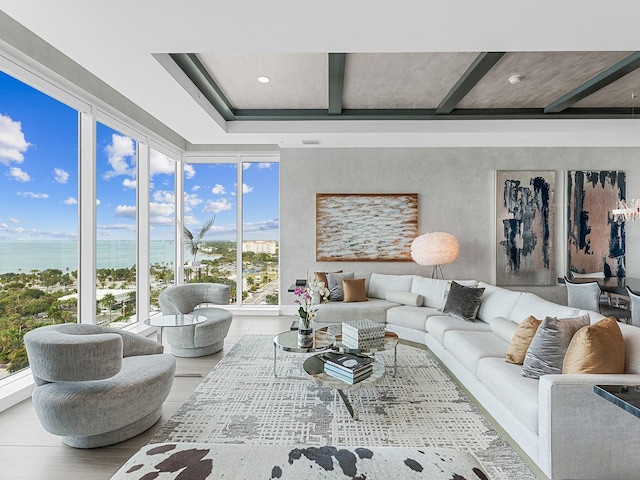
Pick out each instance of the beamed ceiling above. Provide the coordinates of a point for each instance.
(413, 86)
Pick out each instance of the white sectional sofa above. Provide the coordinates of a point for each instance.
(558, 421)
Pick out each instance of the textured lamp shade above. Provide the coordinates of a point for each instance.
(435, 248)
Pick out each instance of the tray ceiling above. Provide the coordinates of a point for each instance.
(362, 86)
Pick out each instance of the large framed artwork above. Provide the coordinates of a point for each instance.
(365, 227)
(525, 227)
(595, 241)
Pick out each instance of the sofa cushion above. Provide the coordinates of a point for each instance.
(631, 336)
(431, 289)
(354, 290)
(336, 312)
(497, 302)
(411, 317)
(504, 328)
(380, 284)
(322, 277)
(522, 339)
(597, 348)
(470, 347)
(405, 298)
(517, 393)
(463, 302)
(336, 293)
(530, 304)
(438, 325)
(549, 345)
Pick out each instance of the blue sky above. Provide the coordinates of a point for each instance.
(38, 185)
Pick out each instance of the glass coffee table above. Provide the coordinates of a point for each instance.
(178, 320)
(390, 342)
(314, 366)
(288, 342)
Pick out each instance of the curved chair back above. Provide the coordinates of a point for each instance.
(635, 307)
(585, 296)
(185, 298)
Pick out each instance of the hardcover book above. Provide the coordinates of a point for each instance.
(347, 362)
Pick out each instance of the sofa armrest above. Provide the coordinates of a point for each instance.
(582, 435)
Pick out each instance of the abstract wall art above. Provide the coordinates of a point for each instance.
(365, 227)
(595, 241)
(525, 228)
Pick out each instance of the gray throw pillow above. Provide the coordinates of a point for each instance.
(334, 284)
(546, 353)
(463, 302)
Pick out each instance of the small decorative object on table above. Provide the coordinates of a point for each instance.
(362, 333)
(308, 297)
(347, 367)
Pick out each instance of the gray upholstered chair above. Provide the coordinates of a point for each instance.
(202, 338)
(635, 307)
(586, 296)
(96, 386)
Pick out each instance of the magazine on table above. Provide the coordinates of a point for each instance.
(347, 377)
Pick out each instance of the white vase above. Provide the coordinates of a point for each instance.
(305, 333)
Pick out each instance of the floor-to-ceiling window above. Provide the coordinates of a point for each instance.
(116, 213)
(260, 231)
(162, 224)
(38, 216)
(222, 193)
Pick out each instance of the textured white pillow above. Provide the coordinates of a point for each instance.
(404, 298)
(431, 289)
(380, 284)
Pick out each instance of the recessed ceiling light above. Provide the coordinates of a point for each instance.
(263, 79)
(515, 79)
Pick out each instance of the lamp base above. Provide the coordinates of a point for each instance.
(436, 272)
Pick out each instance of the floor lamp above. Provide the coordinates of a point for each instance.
(435, 249)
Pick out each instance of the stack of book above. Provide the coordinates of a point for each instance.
(347, 367)
(362, 334)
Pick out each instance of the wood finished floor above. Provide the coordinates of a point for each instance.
(27, 451)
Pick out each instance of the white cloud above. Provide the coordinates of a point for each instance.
(195, 188)
(264, 165)
(160, 163)
(19, 174)
(246, 188)
(118, 151)
(262, 226)
(60, 176)
(217, 206)
(97, 201)
(15, 220)
(106, 229)
(70, 201)
(164, 196)
(129, 183)
(12, 141)
(128, 211)
(33, 195)
(191, 200)
(189, 172)
(161, 209)
(190, 220)
(246, 166)
(218, 189)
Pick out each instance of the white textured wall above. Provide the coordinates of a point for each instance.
(456, 188)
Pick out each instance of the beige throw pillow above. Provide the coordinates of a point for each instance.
(354, 290)
(322, 277)
(522, 339)
(597, 348)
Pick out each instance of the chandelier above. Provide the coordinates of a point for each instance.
(627, 212)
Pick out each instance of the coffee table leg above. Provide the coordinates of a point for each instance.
(275, 372)
(159, 335)
(395, 360)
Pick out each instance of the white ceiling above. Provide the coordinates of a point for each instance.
(115, 41)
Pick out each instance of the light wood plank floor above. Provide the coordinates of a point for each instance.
(27, 451)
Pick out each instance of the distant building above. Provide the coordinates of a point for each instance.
(260, 246)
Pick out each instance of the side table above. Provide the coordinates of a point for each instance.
(178, 320)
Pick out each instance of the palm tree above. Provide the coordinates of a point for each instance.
(195, 241)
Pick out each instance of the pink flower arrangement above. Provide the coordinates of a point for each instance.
(308, 297)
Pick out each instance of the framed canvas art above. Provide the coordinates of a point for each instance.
(595, 241)
(365, 227)
(525, 228)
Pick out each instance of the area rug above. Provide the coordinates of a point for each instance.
(240, 402)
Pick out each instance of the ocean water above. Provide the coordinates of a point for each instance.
(62, 254)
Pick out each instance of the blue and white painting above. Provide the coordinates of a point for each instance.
(595, 241)
(525, 228)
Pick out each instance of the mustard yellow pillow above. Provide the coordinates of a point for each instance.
(354, 290)
(522, 339)
(597, 348)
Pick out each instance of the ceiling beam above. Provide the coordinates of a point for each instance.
(478, 69)
(610, 75)
(194, 69)
(337, 63)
